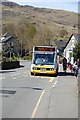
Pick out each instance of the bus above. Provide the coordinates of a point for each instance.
(44, 60)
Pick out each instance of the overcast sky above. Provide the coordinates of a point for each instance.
(69, 5)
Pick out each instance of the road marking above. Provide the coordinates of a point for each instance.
(37, 77)
(51, 79)
(54, 84)
(26, 72)
(16, 74)
(37, 105)
(25, 75)
(56, 81)
(32, 76)
(14, 77)
(45, 77)
(41, 77)
(2, 78)
(20, 68)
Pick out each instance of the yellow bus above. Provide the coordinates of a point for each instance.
(44, 60)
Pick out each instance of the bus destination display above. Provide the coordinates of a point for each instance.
(44, 49)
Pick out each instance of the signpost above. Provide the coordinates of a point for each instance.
(11, 50)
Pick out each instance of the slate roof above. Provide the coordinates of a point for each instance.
(77, 38)
(60, 44)
(5, 37)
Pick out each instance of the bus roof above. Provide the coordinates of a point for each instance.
(47, 46)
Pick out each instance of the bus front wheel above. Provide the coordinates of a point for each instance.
(56, 74)
(32, 73)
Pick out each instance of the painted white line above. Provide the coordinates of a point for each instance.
(37, 105)
(16, 74)
(51, 79)
(20, 68)
(37, 76)
(2, 78)
(53, 86)
(14, 77)
(25, 75)
(54, 83)
(25, 72)
(32, 76)
(43, 77)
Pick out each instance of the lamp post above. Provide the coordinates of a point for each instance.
(21, 49)
(49, 41)
(10, 55)
(11, 50)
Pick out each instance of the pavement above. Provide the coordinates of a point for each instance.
(79, 95)
(63, 98)
(66, 97)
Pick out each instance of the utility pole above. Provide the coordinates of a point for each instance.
(11, 50)
(49, 41)
(10, 55)
(21, 48)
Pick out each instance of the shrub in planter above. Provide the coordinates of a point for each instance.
(9, 63)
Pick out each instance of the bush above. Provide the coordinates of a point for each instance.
(63, 33)
(27, 57)
(7, 59)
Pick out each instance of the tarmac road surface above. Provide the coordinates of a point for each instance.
(26, 96)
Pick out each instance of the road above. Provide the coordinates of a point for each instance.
(26, 96)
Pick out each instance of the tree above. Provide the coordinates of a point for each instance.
(76, 50)
(31, 31)
(63, 33)
(9, 28)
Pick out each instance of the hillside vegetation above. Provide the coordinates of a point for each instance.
(37, 26)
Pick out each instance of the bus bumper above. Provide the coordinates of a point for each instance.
(44, 72)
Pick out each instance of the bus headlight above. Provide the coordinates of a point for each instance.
(34, 68)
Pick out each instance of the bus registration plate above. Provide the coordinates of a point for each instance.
(42, 70)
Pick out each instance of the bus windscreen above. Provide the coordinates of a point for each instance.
(43, 59)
